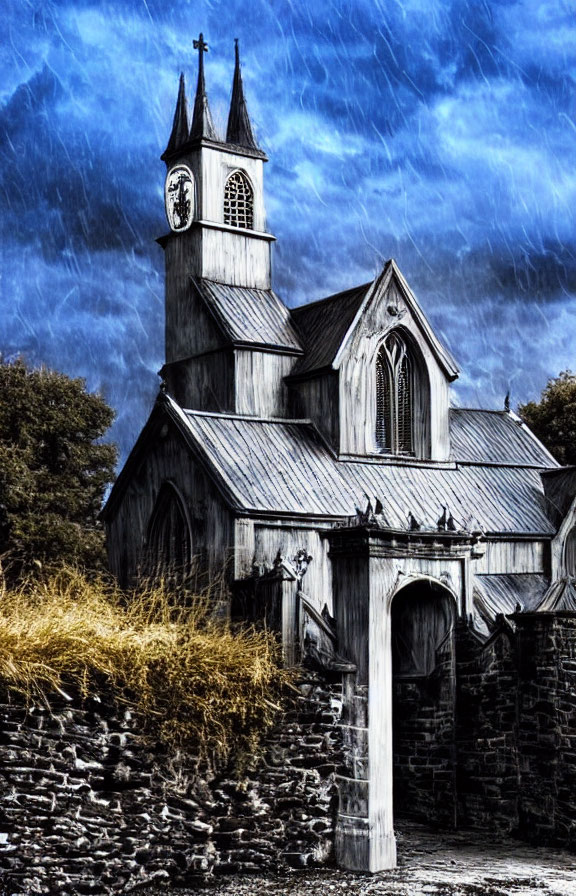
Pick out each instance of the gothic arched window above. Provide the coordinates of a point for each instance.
(239, 201)
(169, 541)
(395, 396)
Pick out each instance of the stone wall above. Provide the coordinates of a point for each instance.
(89, 807)
(488, 771)
(425, 743)
(547, 726)
(516, 732)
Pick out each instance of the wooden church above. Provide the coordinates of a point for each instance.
(313, 454)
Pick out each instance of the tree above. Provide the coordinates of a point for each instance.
(553, 418)
(53, 469)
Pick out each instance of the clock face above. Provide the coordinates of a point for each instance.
(179, 197)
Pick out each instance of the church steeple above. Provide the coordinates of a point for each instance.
(202, 124)
(239, 131)
(180, 125)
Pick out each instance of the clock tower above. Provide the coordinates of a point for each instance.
(217, 253)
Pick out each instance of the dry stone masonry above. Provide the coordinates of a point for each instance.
(89, 807)
(488, 740)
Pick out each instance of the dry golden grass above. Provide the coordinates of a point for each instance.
(192, 681)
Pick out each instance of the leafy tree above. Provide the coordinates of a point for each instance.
(553, 418)
(53, 469)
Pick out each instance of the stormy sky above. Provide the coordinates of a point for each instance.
(440, 133)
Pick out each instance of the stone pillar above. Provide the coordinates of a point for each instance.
(365, 838)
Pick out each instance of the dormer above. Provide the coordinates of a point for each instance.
(374, 377)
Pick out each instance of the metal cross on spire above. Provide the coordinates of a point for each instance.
(201, 46)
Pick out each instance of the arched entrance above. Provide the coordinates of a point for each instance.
(423, 702)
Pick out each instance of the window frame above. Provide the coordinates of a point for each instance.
(396, 380)
(245, 213)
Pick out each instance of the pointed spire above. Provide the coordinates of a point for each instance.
(202, 124)
(180, 126)
(239, 130)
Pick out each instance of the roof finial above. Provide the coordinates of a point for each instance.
(239, 131)
(202, 124)
(507, 401)
(180, 125)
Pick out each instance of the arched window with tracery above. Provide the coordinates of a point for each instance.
(169, 541)
(239, 201)
(395, 396)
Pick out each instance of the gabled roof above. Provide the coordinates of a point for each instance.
(249, 316)
(274, 466)
(323, 325)
(495, 437)
(326, 326)
(284, 467)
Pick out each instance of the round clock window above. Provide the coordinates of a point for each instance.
(179, 198)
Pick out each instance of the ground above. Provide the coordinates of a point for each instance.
(429, 864)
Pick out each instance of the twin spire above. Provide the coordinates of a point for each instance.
(239, 130)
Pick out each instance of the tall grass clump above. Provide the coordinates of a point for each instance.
(191, 681)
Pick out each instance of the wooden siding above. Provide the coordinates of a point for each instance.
(167, 459)
(316, 399)
(236, 257)
(205, 382)
(190, 327)
(519, 556)
(259, 378)
(289, 538)
(216, 167)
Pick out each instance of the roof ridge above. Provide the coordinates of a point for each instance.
(502, 411)
(232, 285)
(332, 297)
(252, 418)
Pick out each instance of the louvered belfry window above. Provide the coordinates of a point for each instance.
(239, 201)
(394, 397)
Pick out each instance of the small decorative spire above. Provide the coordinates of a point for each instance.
(180, 125)
(239, 131)
(507, 401)
(202, 124)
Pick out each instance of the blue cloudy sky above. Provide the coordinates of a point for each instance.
(440, 133)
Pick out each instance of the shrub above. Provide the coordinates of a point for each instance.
(193, 682)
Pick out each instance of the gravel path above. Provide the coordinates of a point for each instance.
(429, 864)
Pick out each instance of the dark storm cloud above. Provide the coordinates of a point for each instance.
(441, 133)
